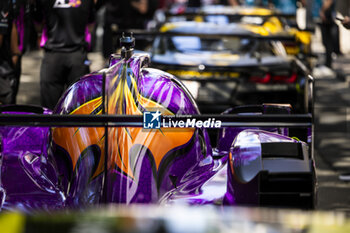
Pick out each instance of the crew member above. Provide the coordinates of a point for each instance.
(330, 30)
(8, 52)
(65, 57)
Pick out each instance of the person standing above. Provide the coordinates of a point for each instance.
(329, 30)
(65, 47)
(21, 21)
(9, 52)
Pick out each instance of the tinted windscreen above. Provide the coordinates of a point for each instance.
(193, 43)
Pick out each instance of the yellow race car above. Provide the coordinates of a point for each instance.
(261, 20)
(225, 65)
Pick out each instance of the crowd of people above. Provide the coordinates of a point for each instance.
(65, 27)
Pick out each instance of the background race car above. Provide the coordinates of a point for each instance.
(232, 64)
(263, 19)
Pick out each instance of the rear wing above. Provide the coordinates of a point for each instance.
(235, 16)
(191, 13)
(144, 34)
(232, 120)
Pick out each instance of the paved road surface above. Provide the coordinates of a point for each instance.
(332, 136)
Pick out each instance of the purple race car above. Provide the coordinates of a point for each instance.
(75, 167)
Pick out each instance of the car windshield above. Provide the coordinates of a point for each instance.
(193, 43)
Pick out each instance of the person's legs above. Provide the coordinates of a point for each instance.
(52, 79)
(327, 42)
(18, 70)
(107, 42)
(5, 91)
(329, 51)
(335, 36)
(78, 65)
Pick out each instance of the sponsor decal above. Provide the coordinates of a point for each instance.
(67, 3)
(4, 14)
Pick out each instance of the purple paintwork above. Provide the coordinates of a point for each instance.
(27, 174)
(150, 183)
(246, 162)
(227, 135)
(38, 172)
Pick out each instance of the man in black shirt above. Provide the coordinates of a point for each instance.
(65, 59)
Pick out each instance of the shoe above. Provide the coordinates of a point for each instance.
(344, 177)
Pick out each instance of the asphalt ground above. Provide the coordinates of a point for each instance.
(332, 127)
(332, 135)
